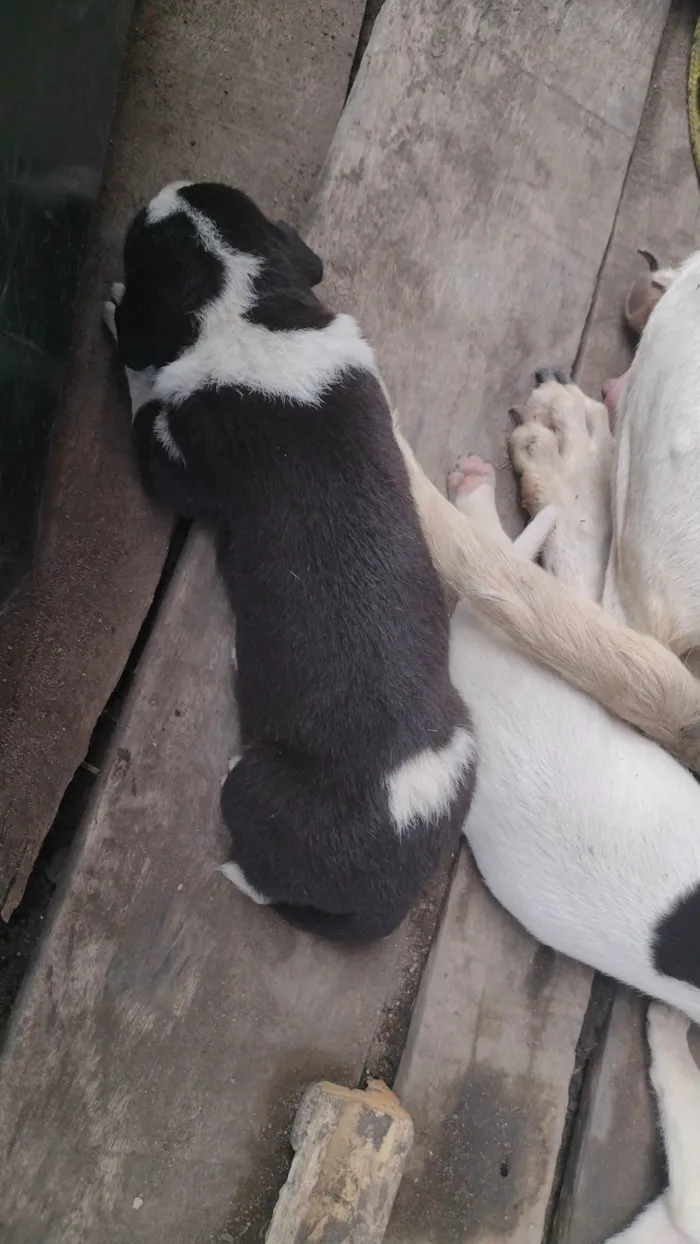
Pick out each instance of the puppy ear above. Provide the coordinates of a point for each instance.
(307, 263)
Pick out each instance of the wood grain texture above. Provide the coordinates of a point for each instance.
(467, 201)
(160, 1050)
(660, 206)
(485, 1077)
(615, 1165)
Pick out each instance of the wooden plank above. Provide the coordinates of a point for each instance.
(248, 93)
(170, 1026)
(155, 1062)
(660, 207)
(615, 1165)
(485, 1076)
(466, 202)
(470, 194)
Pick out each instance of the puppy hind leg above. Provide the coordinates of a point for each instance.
(471, 488)
(109, 308)
(630, 674)
(234, 873)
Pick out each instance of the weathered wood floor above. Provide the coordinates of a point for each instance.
(493, 172)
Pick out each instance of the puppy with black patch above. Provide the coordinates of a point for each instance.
(261, 413)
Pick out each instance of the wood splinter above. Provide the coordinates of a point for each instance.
(350, 1149)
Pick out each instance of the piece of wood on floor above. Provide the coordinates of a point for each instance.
(615, 1165)
(350, 1148)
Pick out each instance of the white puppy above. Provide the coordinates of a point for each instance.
(588, 833)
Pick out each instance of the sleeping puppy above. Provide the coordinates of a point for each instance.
(260, 412)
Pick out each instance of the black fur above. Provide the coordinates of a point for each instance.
(676, 945)
(341, 626)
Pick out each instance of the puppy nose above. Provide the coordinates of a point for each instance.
(606, 386)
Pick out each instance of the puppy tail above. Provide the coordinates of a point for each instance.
(630, 674)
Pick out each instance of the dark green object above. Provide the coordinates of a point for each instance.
(59, 70)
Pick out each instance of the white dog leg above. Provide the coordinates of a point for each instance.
(235, 874)
(676, 1080)
(471, 487)
(109, 308)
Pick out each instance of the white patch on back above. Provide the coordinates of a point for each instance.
(423, 787)
(299, 364)
(237, 876)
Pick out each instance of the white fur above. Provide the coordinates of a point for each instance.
(166, 202)
(587, 832)
(235, 874)
(297, 364)
(653, 1226)
(162, 433)
(674, 1218)
(423, 787)
(676, 1079)
(653, 570)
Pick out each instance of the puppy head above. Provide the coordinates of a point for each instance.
(193, 242)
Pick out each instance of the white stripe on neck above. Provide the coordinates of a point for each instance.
(299, 364)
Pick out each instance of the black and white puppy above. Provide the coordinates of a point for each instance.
(261, 413)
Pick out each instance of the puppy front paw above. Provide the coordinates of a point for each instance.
(109, 307)
(234, 873)
(108, 310)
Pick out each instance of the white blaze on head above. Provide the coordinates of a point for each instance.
(166, 202)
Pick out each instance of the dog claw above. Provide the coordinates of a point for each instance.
(653, 261)
(544, 375)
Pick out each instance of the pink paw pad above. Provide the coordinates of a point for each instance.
(469, 474)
